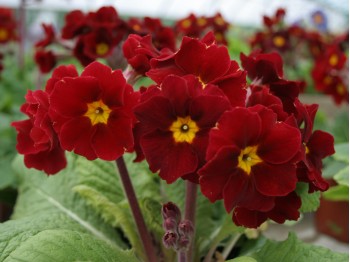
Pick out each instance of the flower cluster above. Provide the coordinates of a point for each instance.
(8, 28)
(89, 114)
(198, 26)
(294, 42)
(101, 34)
(246, 144)
(178, 233)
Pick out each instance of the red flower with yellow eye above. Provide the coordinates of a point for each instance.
(251, 159)
(7, 25)
(93, 113)
(99, 43)
(176, 119)
(208, 62)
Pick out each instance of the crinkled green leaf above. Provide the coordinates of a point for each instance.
(67, 245)
(332, 168)
(341, 152)
(42, 195)
(294, 250)
(342, 177)
(337, 193)
(310, 202)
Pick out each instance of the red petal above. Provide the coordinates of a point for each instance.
(275, 180)
(281, 144)
(248, 218)
(215, 174)
(321, 144)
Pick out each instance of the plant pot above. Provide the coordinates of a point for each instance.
(332, 218)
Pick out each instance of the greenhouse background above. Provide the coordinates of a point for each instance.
(247, 26)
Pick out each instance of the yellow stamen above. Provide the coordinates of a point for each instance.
(307, 150)
(219, 37)
(98, 112)
(248, 158)
(219, 21)
(333, 60)
(201, 21)
(340, 89)
(279, 41)
(186, 23)
(184, 129)
(3, 34)
(327, 80)
(136, 27)
(102, 49)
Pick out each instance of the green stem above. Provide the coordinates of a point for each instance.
(190, 212)
(136, 211)
(230, 246)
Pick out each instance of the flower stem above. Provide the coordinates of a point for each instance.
(190, 212)
(181, 256)
(230, 245)
(136, 211)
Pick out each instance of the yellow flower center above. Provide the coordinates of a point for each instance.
(186, 23)
(136, 27)
(219, 37)
(201, 21)
(327, 80)
(307, 150)
(98, 112)
(340, 89)
(333, 60)
(3, 34)
(219, 21)
(279, 41)
(102, 49)
(248, 158)
(184, 129)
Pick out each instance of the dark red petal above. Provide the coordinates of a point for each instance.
(25, 144)
(206, 110)
(321, 144)
(280, 145)
(156, 112)
(172, 159)
(275, 180)
(286, 208)
(71, 95)
(240, 191)
(75, 135)
(50, 162)
(175, 89)
(248, 218)
(216, 172)
(112, 83)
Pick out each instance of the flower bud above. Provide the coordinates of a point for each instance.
(170, 239)
(170, 210)
(185, 228)
(183, 243)
(170, 224)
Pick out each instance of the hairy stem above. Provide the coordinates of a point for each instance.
(181, 256)
(136, 211)
(190, 212)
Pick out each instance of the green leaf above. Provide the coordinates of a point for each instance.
(310, 202)
(67, 245)
(294, 250)
(42, 195)
(341, 152)
(342, 177)
(332, 168)
(337, 193)
(242, 259)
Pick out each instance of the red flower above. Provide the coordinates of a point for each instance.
(251, 159)
(75, 24)
(139, 51)
(79, 53)
(7, 25)
(176, 120)
(99, 43)
(93, 113)
(46, 60)
(210, 63)
(49, 36)
(36, 138)
(189, 25)
(316, 146)
(285, 208)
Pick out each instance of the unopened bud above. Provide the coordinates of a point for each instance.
(185, 228)
(170, 224)
(170, 239)
(170, 210)
(183, 243)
